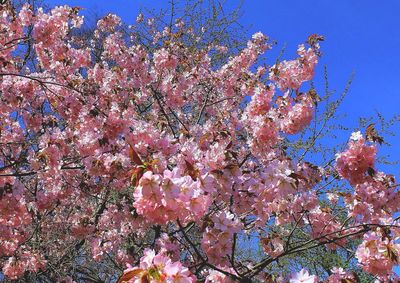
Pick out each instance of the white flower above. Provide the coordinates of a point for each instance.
(356, 136)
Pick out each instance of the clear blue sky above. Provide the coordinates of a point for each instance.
(361, 36)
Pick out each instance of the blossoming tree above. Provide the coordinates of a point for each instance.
(153, 165)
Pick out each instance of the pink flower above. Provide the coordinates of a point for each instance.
(303, 277)
(291, 74)
(108, 23)
(215, 276)
(159, 268)
(177, 273)
(378, 254)
(164, 60)
(339, 275)
(296, 117)
(353, 163)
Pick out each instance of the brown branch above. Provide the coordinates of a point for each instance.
(163, 112)
(204, 260)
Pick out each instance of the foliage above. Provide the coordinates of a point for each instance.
(157, 148)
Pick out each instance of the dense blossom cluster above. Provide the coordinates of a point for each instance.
(217, 241)
(378, 254)
(356, 160)
(154, 158)
(170, 197)
(157, 268)
(292, 74)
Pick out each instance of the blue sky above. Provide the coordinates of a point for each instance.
(361, 37)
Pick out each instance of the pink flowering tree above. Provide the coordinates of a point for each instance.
(120, 162)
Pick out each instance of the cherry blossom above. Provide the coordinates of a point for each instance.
(116, 153)
(157, 268)
(303, 277)
(354, 163)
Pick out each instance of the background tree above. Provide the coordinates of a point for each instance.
(121, 141)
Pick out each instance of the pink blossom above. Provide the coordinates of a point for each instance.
(303, 277)
(353, 163)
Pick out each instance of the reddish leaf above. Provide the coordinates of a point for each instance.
(191, 170)
(134, 156)
(229, 145)
(372, 134)
(129, 275)
(137, 173)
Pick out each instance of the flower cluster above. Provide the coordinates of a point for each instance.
(292, 74)
(17, 265)
(218, 240)
(339, 275)
(157, 268)
(115, 152)
(356, 160)
(170, 197)
(375, 200)
(378, 254)
(296, 116)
